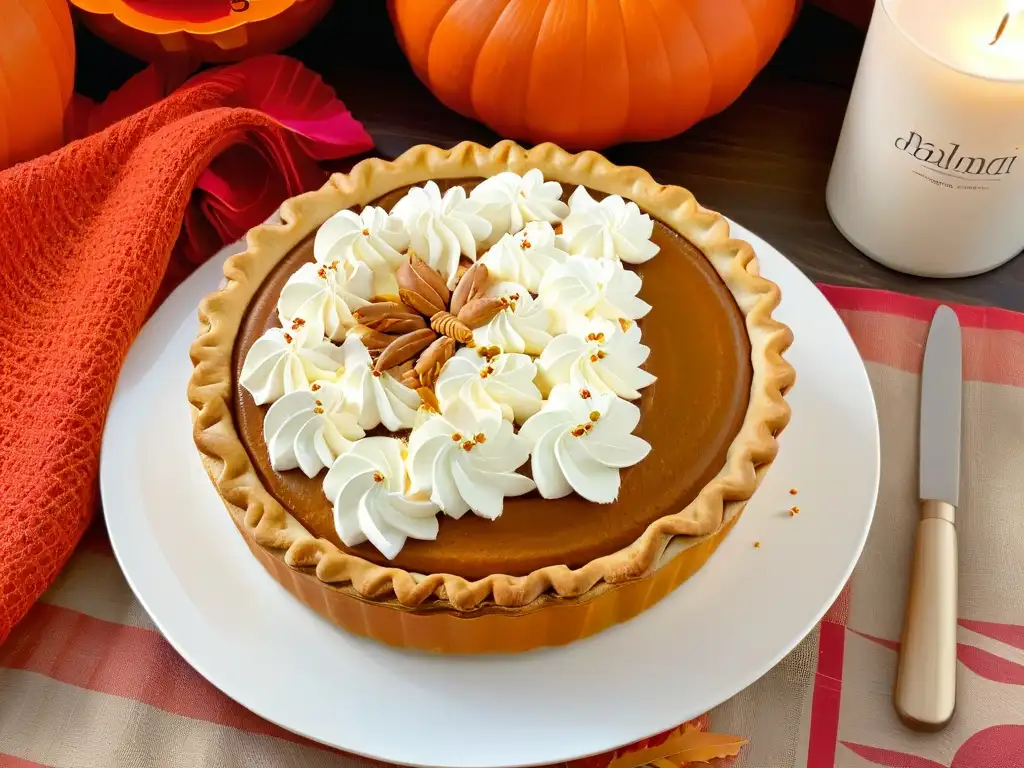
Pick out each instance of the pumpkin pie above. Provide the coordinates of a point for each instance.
(488, 399)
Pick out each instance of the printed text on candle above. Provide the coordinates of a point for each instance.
(952, 160)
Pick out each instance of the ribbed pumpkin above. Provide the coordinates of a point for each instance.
(209, 30)
(589, 73)
(37, 74)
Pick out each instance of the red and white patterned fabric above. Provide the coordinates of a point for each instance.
(86, 680)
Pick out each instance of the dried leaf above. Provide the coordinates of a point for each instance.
(688, 745)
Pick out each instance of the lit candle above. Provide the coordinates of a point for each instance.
(927, 177)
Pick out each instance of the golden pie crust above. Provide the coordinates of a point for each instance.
(444, 612)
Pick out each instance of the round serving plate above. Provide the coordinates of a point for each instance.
(718, 633)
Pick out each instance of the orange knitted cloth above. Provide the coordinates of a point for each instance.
(87, 235)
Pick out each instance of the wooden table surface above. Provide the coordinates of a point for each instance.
(764, 161)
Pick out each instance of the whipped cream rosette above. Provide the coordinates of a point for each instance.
(466, 460)
(601, 355)
(582, 288)
(371, 237)
(504, 381)
(286, 360)
(309, 429)
(524, 325)
(442, 229)
(611, 228)
(580, 440)
(525, 256)
(324, 296)
(377, 397)
(367, 489)
(510, 201)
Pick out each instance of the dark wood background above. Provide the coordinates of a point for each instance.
(764, 161)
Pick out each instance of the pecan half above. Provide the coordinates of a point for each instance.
(419, 292)
(404, 348)
(430, 363)
(389, 317)
(430, 276)
(480, 311)
(425, 305)
(371, 339)
(446, 324)
(471, 285)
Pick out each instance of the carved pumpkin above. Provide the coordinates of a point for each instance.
(210, 30)
(589, 73)
(37, 73)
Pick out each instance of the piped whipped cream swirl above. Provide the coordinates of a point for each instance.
(366, 486)
(525, 256)
(309, 429)
(584, 288)
(510, 201)
(324, 296)
(378, 398)
(601, 355)
(466, 458)
(442, 229)
(282, 361)
(371, 237)
(524, 325)
(580, 440)
(611, 228)
(504, 381)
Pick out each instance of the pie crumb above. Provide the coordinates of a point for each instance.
(793, 491)
(757, 545)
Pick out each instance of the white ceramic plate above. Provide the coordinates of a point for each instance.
(246, 635)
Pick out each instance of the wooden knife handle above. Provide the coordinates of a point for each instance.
(925, 694)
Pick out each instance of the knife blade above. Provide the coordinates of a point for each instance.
(925, 693)
(941, 396)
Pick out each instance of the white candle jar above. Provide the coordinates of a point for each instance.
(927, 177)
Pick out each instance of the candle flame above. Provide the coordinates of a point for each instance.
(1013, 7)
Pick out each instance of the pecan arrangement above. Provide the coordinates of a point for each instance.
(422, 330)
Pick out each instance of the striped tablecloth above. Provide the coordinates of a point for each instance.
(86, 680)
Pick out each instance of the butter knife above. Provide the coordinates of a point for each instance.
(925, 695)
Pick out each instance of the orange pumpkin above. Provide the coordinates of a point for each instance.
(589, 73)
(37, 74)
(209, 30)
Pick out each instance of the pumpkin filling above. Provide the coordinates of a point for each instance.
(700, 356)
